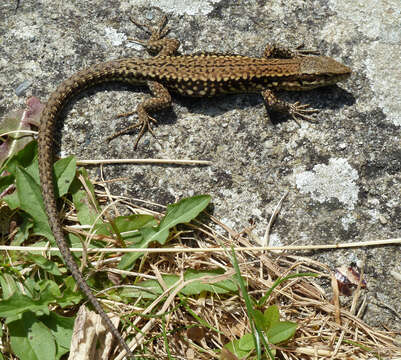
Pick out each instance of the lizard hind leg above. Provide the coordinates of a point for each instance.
(161, 99)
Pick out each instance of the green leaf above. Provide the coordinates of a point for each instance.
(30, 198)
(241, 347)
(151, 289)
(12, 200)
(8, 285)
(64, 169)
(45, 264)
(31, 287)
(182, 212)
(48, 290)
(264, 321)
(259, 319)
(18, 304)
(61, 328)
(128, 260)
(87, 206)
(6, 181)
(70, 295)
(246, 343)
(25, 158)
(132, 223)
(23, 166)
(281, 332)
(64, 172)
(30, 339)
(206, 282)
(272, 316)
(133, 226)
(45, 290)
(87, 213)
(24, 230)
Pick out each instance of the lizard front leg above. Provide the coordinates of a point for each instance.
(157, 44)
(296, 110)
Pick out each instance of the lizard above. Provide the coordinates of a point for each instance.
(196, 75)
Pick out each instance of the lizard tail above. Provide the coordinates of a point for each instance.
(46, 145)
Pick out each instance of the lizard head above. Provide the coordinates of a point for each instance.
(319, 71)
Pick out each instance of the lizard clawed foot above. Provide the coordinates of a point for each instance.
(300, 111)
(156, 33)
(297, 110)
(144, 124)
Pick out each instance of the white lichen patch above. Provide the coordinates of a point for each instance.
(325, 182)
(347, 221)
(114, 37)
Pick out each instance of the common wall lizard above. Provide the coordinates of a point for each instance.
(199, 75)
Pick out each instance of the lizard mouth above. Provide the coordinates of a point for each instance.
(323, 80)
(312, 82)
